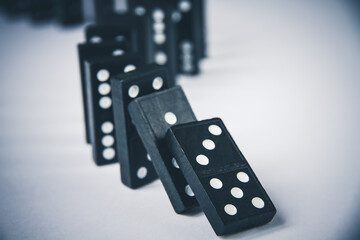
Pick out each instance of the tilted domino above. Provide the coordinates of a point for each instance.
(101, 118)
(223, 182)
(89, 51)
(136, 167)
(152, 116)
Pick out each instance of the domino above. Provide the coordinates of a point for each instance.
(190, 30)
(152, 116)
(223, 182)
(136, 167)
(100, 104)
(88, 51)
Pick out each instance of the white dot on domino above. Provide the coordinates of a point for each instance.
(230, 209)
(215, 130)
(104, 88)
(208, 144)
(108, 153)
(129, 68)
(174, 163)
(105, 102)
(258, 202)
(157, 83)
(107, 127)
(189, 191)
(139, 10)
(237, 192)
(118, 52)
(142, 172)
(243, 177)
(95, 39)
(107, 141)
(103, 75)
(170, 118)
(134, 91)
(216, 183)
(202, 159)
(185, 5)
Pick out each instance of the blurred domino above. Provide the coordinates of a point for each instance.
(152, 116)
(223, 182)
(188, 18)
(136, 168)
(100, 113)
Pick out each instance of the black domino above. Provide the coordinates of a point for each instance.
(153, 115)
(90, 51)
(190, 31)
(136, 168)
(101, 120)
(223, 182)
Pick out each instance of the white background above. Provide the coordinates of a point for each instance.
(284, 77)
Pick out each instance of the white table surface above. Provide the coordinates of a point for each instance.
(284, 77)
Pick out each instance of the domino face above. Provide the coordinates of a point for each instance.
(89, 51)
(100, 114)
(224, 184)
(136, 167)
(153, 115)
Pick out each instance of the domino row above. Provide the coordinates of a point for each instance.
(151, 130)
(137, 116)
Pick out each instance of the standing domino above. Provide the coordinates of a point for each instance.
(88, 51)
(224, 184)
(101, 119)
(153, 115)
